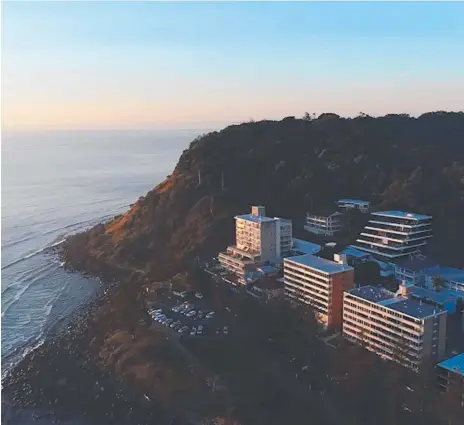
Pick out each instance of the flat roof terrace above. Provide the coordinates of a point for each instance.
(255, 218)
(354, 201)
(401, 214)
(317, 263)
(388, 299)
(454, 364)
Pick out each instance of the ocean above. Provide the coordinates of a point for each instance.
(55, 184)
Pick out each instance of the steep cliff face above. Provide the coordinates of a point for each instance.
(396, 161)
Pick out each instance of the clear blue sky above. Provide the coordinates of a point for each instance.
(139, 65)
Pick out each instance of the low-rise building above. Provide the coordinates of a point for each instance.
(414, 269)
(449, 278)
(395, 234)
(325, 222)
(451, 375)
(301, 247)
(269, 288)
(395, 327)
(352, 256)
(352, 204)
(320, 283)
(447, 299)
(260, 240)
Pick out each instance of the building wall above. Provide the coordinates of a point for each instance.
(327, 226)
(268, 241)
(442, 337)
(308, 286)
(394, 237)
(322, 291)
(381, 329)
(340, 283)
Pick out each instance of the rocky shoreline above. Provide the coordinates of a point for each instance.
(64, 378)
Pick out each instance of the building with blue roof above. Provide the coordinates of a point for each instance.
(451, 278)
(397, 327)
(451, 375)
(301, 247)
(454, 364)
(414, 269)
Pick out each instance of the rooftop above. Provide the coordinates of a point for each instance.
(318, 263)
(255, 218)
(354, 252)
(443, 296)
(402, 214)
(417, 264)
(388, 299)
(354, 201)
(305, 246)
(449, 273)
(454, 364)
(372, 293)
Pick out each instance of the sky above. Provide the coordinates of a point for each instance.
(131, 65)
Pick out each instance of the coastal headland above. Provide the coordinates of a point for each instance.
(112, 364)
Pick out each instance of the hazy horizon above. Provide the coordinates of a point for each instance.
(101, 66)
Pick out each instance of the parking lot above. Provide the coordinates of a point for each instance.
(189, 315)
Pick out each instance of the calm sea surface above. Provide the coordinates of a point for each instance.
(54, 184)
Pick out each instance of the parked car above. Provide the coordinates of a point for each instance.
(191, 313)
(169, 322)
(178, 326)
(183, 329)
(193, 331)
(198, 295)
(218, 331)
(160, 318)
(174, 324)
(200, 330)
(226, 330)
(210, 315)
(200, 315)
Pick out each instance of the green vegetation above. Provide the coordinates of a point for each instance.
(395, 161)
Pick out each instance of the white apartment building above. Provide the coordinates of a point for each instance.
(324, 223)
(320, 283)
(350, 204)
(395, 327)
(259, 240)
(395, 234)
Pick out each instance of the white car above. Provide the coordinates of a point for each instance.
(226, 330)
(183, 329)
(191, 313)
(193, 331)
(199, 295)
(210, 315)
(200, 330)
